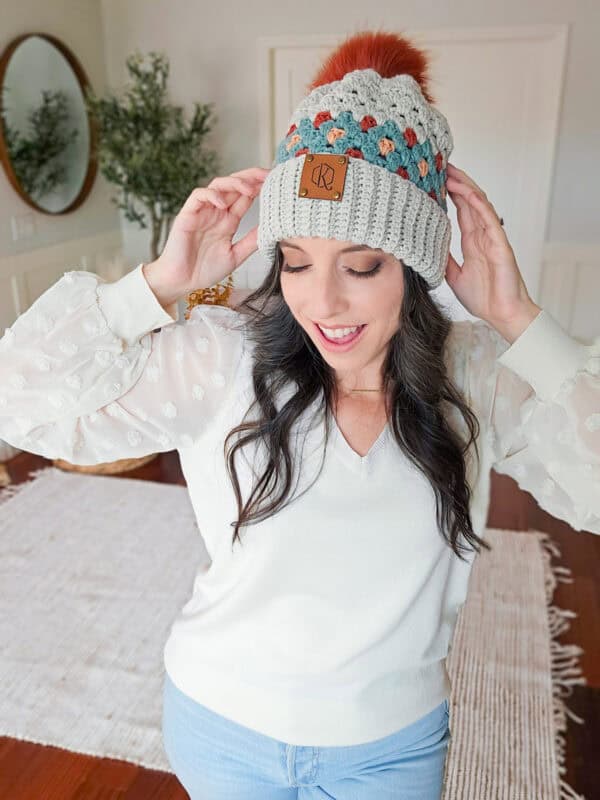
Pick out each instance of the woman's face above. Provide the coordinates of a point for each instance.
(342, 285)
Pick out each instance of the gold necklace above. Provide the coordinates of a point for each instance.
(366, 390)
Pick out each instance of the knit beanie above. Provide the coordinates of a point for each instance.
(364, 158)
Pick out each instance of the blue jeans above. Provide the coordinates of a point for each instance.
(215, 758)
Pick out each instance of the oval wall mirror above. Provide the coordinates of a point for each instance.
(47, 140)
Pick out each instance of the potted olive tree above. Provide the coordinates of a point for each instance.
(148, 150)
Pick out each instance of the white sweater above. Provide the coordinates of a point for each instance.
(330, 624)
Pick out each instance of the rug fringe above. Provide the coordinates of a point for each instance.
(567, 793)
(564, 659)
(13, 489)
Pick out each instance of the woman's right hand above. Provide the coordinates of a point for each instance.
(199, 251)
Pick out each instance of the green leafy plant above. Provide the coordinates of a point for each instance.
(148, 150)
(37, 157)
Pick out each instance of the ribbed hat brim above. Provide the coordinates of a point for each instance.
(378, 208)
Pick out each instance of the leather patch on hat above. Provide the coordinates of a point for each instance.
(323, 176)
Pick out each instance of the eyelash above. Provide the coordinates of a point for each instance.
(359, 274)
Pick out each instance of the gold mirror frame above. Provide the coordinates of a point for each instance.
(92, 157)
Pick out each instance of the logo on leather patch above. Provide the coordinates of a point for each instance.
(323, 176)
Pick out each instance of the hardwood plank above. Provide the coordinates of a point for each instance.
(154, 785)
(107, 779)
(38, 772)
(582, 742)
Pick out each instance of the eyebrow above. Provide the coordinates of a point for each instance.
(283, 243)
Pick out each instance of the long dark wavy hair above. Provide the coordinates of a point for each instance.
(416, 387)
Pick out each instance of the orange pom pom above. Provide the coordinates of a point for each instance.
(389, 54)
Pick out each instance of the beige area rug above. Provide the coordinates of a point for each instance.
(93, 570)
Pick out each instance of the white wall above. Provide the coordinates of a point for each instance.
(78, 24)
(212, 50)
(213, 56)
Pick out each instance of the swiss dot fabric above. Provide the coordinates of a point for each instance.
(540, 399)
(90, 381)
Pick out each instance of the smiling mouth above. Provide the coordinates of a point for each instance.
(340, 340)
(337, 327)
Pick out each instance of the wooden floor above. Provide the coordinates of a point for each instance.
(35, 772)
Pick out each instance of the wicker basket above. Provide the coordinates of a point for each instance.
(106, 468)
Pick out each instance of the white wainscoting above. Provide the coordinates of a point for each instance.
(24, 277)
(570, 288)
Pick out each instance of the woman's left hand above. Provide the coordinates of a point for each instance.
(489, 284)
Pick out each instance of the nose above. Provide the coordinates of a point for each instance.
(328, 301)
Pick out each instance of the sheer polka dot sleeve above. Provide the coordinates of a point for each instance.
(96, 371)
(538, 399)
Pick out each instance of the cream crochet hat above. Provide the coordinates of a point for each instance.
(364, 159)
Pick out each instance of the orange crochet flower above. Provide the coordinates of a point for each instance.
(294, 140)
(334, 134)
(386, 146)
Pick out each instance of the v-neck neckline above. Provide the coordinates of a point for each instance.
(353, 459)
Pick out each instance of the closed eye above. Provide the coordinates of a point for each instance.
(358, 273)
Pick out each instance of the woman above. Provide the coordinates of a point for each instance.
(338, 418)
